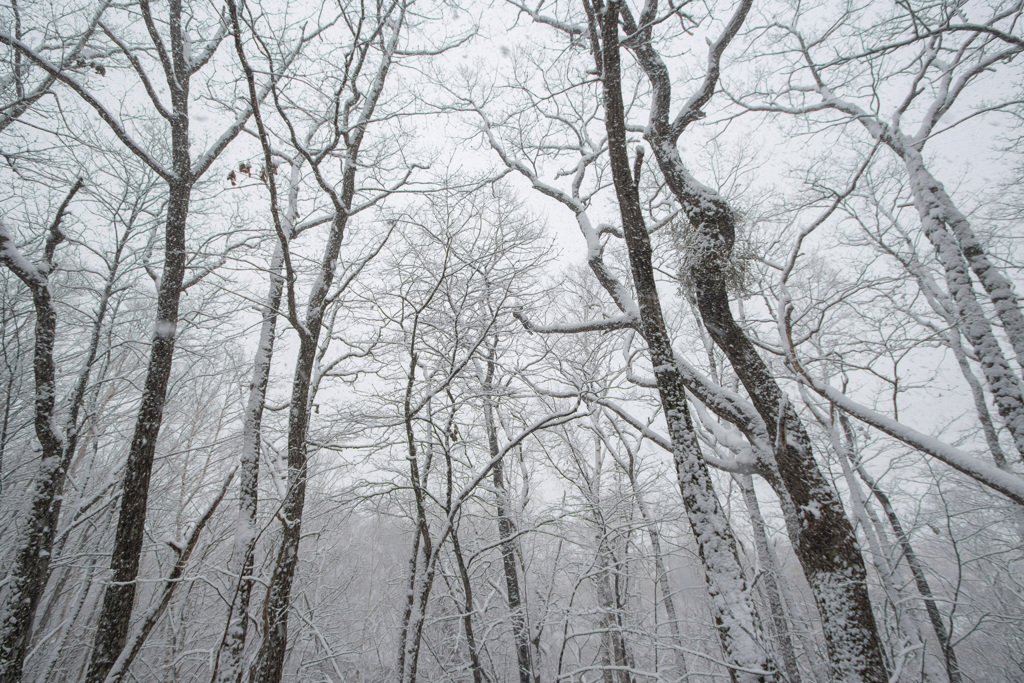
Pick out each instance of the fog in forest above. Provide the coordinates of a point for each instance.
(525, 341)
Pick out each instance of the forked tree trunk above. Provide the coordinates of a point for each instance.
(823, 538)
(270, 659)
(738, 627)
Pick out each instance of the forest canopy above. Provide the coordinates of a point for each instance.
(585, 341)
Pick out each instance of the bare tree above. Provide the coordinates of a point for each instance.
(31, 570)
(379, 36)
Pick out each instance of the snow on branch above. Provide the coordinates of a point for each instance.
(738, 466)
(12, 257)
(80, 90)
(619, 322)
(1010, 485)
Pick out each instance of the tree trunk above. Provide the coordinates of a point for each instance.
(134, 644)
(506, 533)
(228, 667)
(823, 537)
(1002, 381)
(660, 568)
(770, 579)
(119, 597)
(27, 578)
(738, 627)
(946, 309)
(915, 564)
(467, 611)
(935, 205)
(270, 660)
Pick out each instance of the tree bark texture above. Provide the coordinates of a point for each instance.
(27, 577)
(738, 627)
(119, 596)
(823, 537)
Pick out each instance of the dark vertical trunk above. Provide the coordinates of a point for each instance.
(738, 627)
(467, 584)
(506, 533)
(270, 660)
(410, 602)
(27, 577)
(141, 633)
(416, 604)
(467, 611)
(270, 663)
(119, 597)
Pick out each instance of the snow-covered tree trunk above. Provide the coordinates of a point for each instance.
(178, 65)
(614, 647)
(957, 248)
(823, 538)
(468, 609)
(183, 548)
(935, 214)
(228, 665)
(911, 650)
(229, 668)
(946, 309)
(27, 577)
(738, 626)
(270, 659)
